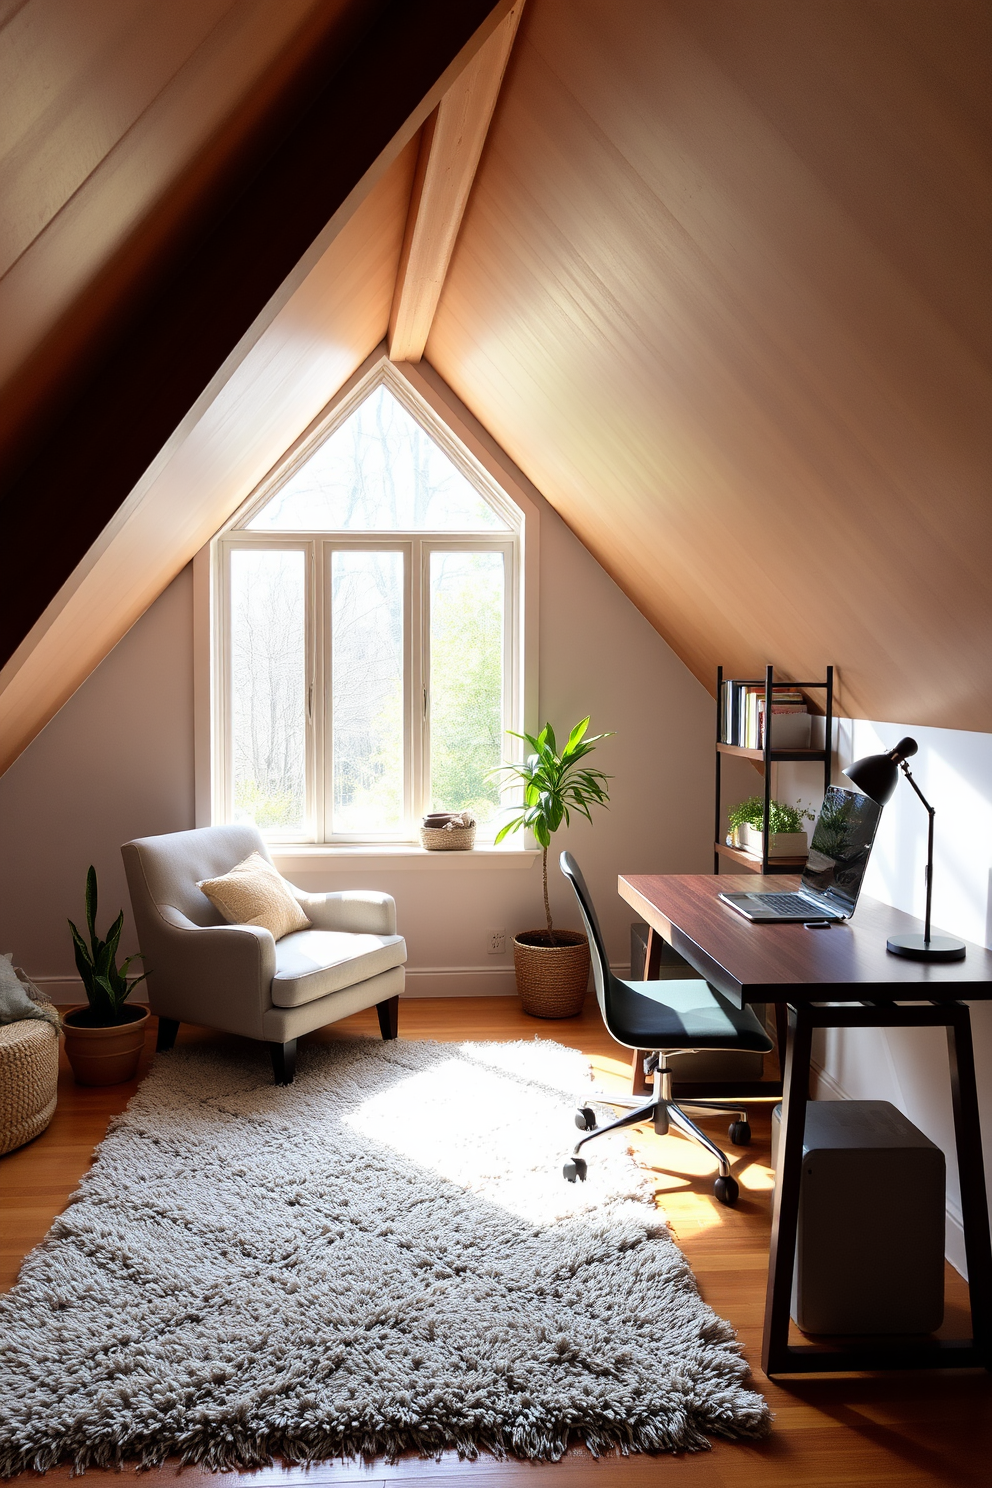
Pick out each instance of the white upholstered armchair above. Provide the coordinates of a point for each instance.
(237, 977)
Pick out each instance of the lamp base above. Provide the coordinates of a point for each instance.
(938, 948)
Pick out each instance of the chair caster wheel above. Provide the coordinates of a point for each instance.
(585, 1119)
(726, 1190)
(740, 1133)
(575, 1169)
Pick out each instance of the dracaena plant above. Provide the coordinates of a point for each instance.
(554, 785)
(106, 983)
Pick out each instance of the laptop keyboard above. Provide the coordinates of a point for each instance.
(788, 904)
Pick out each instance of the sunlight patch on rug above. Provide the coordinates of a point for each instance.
(379, 1257)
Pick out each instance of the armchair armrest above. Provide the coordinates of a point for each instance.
(361, 911)
(215, 974)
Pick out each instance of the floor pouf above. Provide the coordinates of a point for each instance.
(29, 1073)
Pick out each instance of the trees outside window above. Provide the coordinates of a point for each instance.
(368, 630)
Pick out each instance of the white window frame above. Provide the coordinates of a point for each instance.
(435, 408)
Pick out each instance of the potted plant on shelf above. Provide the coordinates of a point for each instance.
(104, 1039)
(786, 836)
(552, 966)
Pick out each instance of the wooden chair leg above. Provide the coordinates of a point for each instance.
(389, 1016)
(283, 1061)
(167, 1030)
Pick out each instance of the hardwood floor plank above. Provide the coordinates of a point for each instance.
(907, 1431)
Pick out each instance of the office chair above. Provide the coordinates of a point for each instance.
(668, 1018)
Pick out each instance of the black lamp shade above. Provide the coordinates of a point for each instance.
(877, 774)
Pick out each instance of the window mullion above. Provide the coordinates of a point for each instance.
(315, 708)
(418, 702)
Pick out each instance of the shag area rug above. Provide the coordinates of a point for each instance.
(382, 1256)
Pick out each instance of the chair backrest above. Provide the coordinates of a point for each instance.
(601, 974)
(167, 868)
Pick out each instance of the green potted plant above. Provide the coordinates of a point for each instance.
(786, 835)
(552, 966)
(104, 1039)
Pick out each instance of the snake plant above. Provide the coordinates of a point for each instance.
(106, 983)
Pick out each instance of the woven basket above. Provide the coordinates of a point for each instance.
(439, 839)
(551, 980)
(29, 1073)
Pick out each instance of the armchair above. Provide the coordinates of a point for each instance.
(237, 978)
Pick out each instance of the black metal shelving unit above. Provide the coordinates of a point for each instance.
(766, 757)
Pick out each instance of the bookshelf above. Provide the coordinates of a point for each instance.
(766, 756)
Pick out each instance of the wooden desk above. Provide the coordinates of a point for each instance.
(846, 965)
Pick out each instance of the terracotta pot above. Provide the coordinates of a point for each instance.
(105, 1056)
(551, 979)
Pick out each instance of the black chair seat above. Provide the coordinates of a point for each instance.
(679, 1015)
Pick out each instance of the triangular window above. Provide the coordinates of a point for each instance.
(378, 472)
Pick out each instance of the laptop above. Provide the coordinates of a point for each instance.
(838, 856)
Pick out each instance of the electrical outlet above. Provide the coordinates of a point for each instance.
(496, 942)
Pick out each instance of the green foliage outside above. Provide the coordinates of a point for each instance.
(106, 984)
(266, 808)
(467, 686)
(368, 783)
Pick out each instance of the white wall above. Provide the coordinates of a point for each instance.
(117, 762)
(909, 1066)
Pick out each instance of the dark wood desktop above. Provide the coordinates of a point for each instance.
(804, 969)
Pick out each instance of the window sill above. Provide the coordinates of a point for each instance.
(365, 857)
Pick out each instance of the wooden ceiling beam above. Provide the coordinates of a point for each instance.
(450, 150)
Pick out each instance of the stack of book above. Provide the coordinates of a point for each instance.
(742, 716)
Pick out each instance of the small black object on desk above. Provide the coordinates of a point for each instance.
(877, 775)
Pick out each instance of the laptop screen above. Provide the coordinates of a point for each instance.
(841, 846)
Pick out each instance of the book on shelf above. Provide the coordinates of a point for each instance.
(742, 708)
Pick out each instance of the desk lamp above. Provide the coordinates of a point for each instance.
(877, 775)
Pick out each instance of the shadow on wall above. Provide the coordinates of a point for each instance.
(115, 763)
(909, 1066)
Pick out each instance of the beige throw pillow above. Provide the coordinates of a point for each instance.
(253, 893)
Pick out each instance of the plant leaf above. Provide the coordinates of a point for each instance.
(91, 904)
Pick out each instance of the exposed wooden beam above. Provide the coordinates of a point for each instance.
(450, 150)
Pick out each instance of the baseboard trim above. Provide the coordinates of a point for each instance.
(421, 981)
(68, 991)
(460, 981)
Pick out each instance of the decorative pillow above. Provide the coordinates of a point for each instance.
(253, 893)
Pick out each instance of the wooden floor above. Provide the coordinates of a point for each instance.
(902, 1430)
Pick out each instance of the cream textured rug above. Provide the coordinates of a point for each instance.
(382, 1256)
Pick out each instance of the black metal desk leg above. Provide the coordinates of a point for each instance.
(785, 1215)
(971, 1174)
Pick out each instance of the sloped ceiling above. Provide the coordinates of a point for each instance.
(233, 276)
(722, 292)
(222, 211)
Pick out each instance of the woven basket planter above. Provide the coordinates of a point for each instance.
(104, 1056)
(447, 838)
(29, 1074)
(551, 979)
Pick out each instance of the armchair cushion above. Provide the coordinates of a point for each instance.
(254, 893)
(313, 963)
